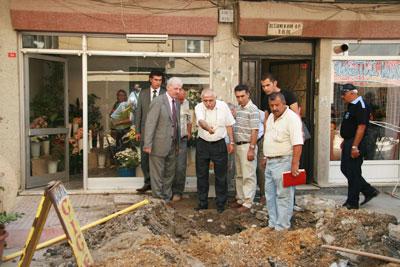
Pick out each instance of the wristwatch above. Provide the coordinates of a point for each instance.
(354, 147)
(252, 146)
(232, 143)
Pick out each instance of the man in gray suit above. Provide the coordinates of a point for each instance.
(146, 96)
(161, 139)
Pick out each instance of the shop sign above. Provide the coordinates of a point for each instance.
(56, 195)
(376, 71)
(63, 207)
(285, 28)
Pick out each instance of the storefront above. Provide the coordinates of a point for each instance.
(374, 68)
(297, 42)
(72, 66)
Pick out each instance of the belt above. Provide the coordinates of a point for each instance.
(242, 143)
(276, 157)
(212, 142)
(183, 137)
(262, 136)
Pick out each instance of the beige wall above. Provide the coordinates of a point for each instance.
(10, 146)
(322, 103)
(225, 63)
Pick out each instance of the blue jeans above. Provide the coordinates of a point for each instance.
(280, 200)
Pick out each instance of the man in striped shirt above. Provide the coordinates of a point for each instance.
(246, 130)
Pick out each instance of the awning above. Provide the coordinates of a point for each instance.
(316, 20)
(172, 17)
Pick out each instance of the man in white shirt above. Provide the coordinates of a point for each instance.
(215, 121)
(283, 141)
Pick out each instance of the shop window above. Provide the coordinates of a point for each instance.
(378, 82)
(377, 49)
(107, 76)
(51, 41)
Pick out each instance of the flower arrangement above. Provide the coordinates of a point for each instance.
(74, 142)
(193, 97)
(39, 122)
(128, 158)
(130, 137)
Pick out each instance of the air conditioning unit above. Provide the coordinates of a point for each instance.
(147, 38)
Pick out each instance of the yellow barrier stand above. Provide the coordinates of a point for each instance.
(90, 225)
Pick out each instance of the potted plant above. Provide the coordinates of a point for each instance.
(57, 154)
(94, 118)
(5, 218)
(128, 160)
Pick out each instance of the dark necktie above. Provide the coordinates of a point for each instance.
(175, 119)
(154, 94)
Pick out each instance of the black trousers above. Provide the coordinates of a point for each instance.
(217, 153)
(351, 168)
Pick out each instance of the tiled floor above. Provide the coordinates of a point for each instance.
(88, 208)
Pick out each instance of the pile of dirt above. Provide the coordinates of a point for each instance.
(156, 235)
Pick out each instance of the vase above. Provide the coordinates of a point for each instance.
(35, 150)
(101, 160)
(126, 172)
(46, 147)
(52, 166)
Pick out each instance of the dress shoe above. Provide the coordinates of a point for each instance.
(176, 198)
(235, 205)
(369, 197)
(199, 208)
(145, 188)
(243, 209)
(344, 204)
(351, 207)
(263, 200)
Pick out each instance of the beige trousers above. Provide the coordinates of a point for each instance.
(246, 178)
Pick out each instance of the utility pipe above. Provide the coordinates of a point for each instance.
(87, 226)
(362, 253)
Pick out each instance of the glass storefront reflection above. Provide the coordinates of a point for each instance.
(380, 89)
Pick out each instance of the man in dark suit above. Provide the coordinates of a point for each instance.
(161, 139)
(146, 96)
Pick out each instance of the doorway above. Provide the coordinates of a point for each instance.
(293, 74)
(46, 119)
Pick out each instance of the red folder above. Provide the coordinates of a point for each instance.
(290, 180)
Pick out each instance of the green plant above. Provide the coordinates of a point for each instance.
(94, 114)
(9, 217)
(49, 100)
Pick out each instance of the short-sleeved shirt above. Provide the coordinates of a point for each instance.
(247, 119)
(289, 97)
(186, 117)
(357, 113)
(282, 134)
(219, 118)
(261, 126)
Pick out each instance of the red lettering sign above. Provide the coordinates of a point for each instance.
(12, 54)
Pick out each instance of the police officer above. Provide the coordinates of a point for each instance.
(353, 129)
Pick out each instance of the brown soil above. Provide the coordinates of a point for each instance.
(156, 235)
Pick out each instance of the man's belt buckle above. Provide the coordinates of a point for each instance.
(241, 143)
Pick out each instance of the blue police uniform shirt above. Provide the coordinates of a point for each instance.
(357, 113)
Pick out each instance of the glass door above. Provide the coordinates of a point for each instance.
(46, 120)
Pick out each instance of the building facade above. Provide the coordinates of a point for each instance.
(62, 64)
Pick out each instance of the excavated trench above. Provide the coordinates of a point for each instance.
(155, 235)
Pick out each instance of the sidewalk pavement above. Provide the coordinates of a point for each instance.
(89, 208)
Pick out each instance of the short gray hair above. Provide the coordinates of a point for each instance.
(208, 92)
(174, 81)
(276, 95)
